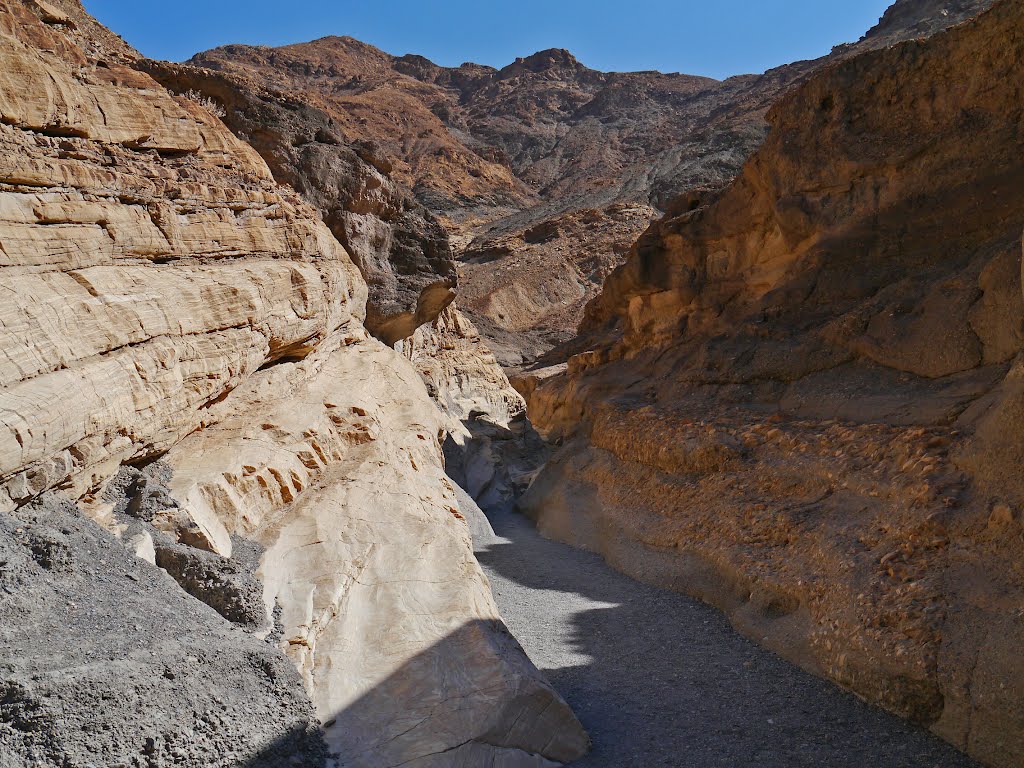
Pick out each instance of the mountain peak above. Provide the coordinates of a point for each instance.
(552, 58)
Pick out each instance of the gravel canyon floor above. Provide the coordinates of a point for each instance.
(260, 312)
(660, 679)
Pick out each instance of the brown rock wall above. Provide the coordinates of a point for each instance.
(800, 399)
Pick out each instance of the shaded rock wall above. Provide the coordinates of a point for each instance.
(166, 299)
(491, 449)
(545, 170)
(800, 399)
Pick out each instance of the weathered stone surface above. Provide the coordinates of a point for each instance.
(119, 265)
(401, 250)
(527, 290)
(403, 253)
(461, 373)
(165, 298)
(907, 19)
(491, 450)
(149, 676)
(370, 560)
(800, 399)
(545, 170)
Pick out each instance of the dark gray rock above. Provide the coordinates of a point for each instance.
(228, 585)
(105, 661)
(140, 493)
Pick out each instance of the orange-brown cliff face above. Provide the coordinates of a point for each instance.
(802, 399)
(544, 170)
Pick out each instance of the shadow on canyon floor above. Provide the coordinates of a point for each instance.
(659, 679)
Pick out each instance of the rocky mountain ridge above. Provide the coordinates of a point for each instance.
(498, 153)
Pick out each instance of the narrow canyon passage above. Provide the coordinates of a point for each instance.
(659, 679)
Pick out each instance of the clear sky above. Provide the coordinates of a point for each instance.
(717, 38)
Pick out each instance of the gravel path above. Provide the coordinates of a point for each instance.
(659, 679)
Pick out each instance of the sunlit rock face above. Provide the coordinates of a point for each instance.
(800, 399)
(545, 171)
(383, 607)
(184, 355)
(400, 249)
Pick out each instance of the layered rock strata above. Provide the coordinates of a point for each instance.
(167, 300)
(545, 170)
(801, 396)
(401, 250)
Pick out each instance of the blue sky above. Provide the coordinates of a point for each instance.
(717, 38)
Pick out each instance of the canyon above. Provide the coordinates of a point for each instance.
(545, 172)
(306, 347)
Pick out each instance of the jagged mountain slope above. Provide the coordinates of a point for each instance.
(801, 399)
(548, 167)
(485, 149)
(184, 356)
(920, 18)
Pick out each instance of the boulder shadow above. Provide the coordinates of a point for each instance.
(472, 698)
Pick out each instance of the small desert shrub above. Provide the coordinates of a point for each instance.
(205, 101)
